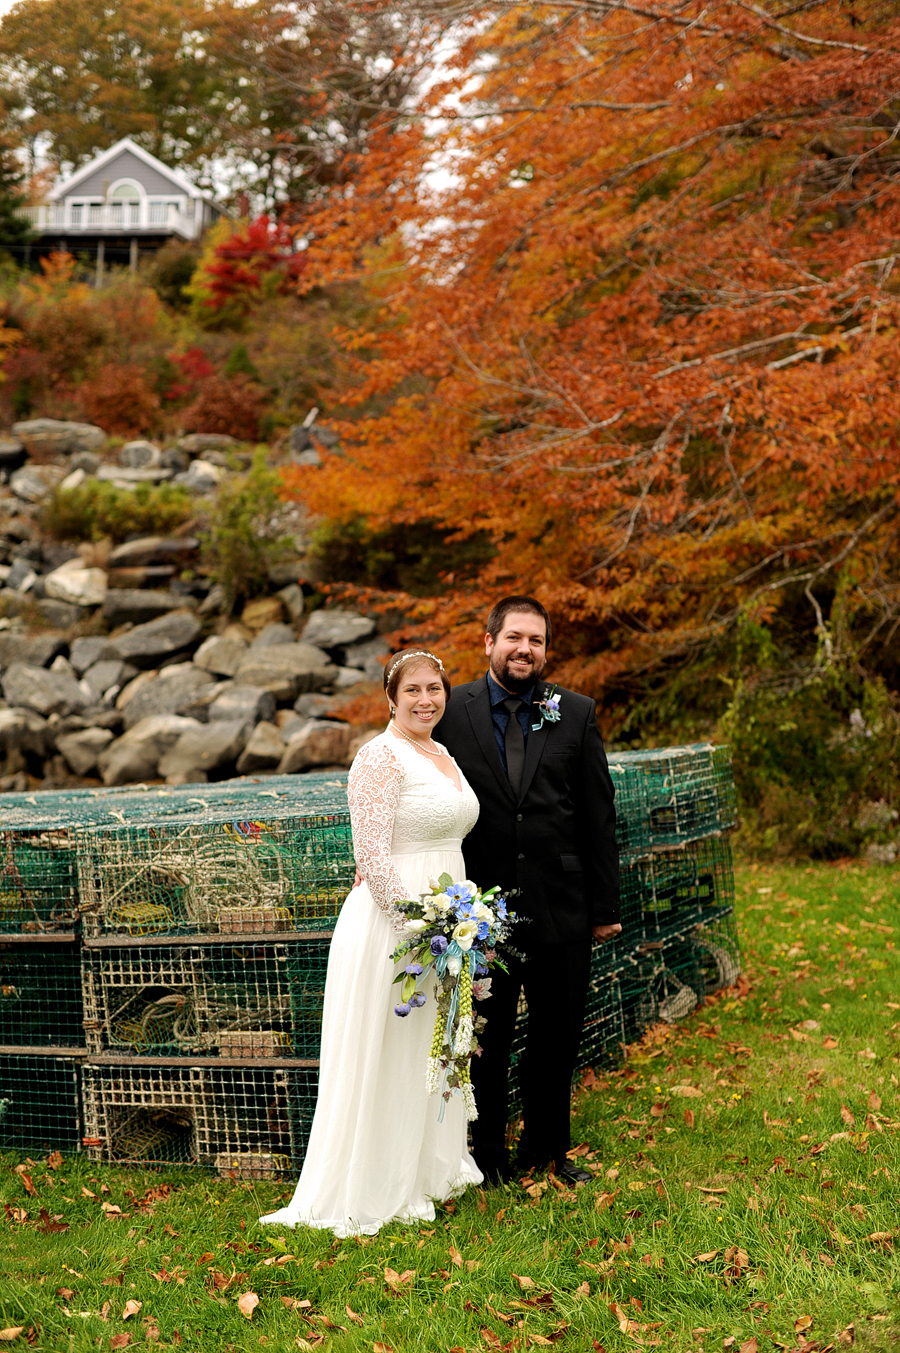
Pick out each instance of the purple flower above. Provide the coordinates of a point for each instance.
(417, 999)
(414, 969)
(401, 1010)
(481, 970)
(438, 945)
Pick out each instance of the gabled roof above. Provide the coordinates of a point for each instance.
(108, 156)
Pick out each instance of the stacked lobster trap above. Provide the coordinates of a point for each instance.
(163, 953)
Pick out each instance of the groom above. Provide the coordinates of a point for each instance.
(547, 828)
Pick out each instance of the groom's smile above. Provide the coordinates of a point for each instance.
(518, 654)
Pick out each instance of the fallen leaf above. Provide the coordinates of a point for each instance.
(706, 1258)
(539, 1339)
(688, 1091)
(874, 1102)
(398, 1281)
(295, 1304)
(829, 1043)
(131, 1308)
(247, 1304)
(867, 1054)
(382, 1348)
(701, 1189)
(750, 1345)
(689, 1118)
(848, 1335)
(67, 1293)
(358, 1319)
(523, 1280)
(151, 1330)
(583, 1290)
(27, 1181)
(847, 1116)
(456, 1257)
(11, 1332)
(54, 1160)
(604, 1200)
(114, 1280)
(120, 1341)
(49, 1224)
(802, 1323)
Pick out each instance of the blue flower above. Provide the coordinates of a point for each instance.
(438, 945)
(460, 892)
(417, 999)
(502, 913)
(414, 969)
(401, 1010)
(483, 930)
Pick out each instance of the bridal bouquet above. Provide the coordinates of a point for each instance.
(454, 931)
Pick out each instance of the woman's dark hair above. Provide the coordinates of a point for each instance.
(400, 663)
(502, 608)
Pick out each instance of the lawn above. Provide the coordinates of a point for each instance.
(746, 1193)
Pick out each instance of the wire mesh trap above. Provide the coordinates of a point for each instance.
(40, 995)
(40, 1103)
(252, 1122)
(669, 889)
(216, 873)
(255, 999)
(38, 881)
(665, 798)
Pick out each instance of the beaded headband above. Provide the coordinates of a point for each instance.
(419, 653)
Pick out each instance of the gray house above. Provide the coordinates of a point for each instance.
(123, 203)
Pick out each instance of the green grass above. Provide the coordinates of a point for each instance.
(800, 1191)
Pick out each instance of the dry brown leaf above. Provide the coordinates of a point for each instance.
(749, 1345)
(874, 1102)
(247, 1304)
(706, 1258)
(802, 1323)
(702, 1189)
(848, 1335)
(114, 1280)
(131, 1308)
(829, 1043)
(398, 1281)
(456, 1257)
(382, 1348)
(689, 1118)
(523, 1280)
(151, 1331)
(54, 1160)
(120, 1341)
(540, 1340)
(11, 1332)
(604, 1200)
(583, 1290)
(847, 1116)
(29, 1185)
(687, 1091)
(358, 1319)
(67, 1293)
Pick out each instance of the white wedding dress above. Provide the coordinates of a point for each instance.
(376, 1150)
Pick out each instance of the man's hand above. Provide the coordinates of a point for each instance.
(357, 880)
(606, 932)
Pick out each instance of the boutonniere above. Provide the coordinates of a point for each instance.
(549, 708)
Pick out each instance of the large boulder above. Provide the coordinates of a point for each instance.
(130, 606)
(153, 550)
(336, 629)
(105, 675)
(33, 483)
(220, 655)
(139, 455)
(286, 670)
(74, 583)
(324, 743)
(46, 692)
(46, 438)
(154, 575)
(135, 755)
(168, 694)
(147, 645)
(38, 651)
(246, 703)
(369, 656)
(202, 477)
(259, 614)
(83, 653)
(195, 443)
(82, 749)
(291, 598)
(203, 749)
(272, 635)
(264, 750)
(122, 478)
(25, 731)
(62, 615)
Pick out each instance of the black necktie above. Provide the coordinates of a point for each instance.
(515, 745)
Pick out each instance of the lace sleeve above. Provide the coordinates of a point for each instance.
(373, 788)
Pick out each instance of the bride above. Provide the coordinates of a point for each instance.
(376, 1150)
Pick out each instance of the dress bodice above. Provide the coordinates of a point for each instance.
(400, 803)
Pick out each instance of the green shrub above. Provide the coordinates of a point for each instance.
(410, 557)
(244, 535)
(97, 510)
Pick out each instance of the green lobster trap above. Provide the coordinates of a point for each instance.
(249, 1122)
(40, 1103)
(668, 797)
(38, 881)
(40, 995)
(669, 889)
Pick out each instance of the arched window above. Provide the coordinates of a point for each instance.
(125, 204)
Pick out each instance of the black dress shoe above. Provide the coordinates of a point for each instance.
(573, 1174)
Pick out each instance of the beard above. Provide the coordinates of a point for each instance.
(509, 681)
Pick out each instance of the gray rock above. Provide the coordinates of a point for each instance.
(203, 749)
(135, 755)
(54, 555)
(77, 585)
(85, 460)
(314, 706)
(19, 572)
(335, 629)
(219, 655)
(272, 635)
(33, 483)
(153, 550)
(81, 750)
(291, 598)
(311, 456)
(287, 572)
(249, 703)
(175, 460)
(202, 477)
(124, 478)
(62, 615)
(24, 730)
(146, 645)
(198, 442)
(324, 436)
(38, 651)
(47, 437)
(264, 750)
(124, 605)
(167, 695)
(286, 670)
(323, 743)
(369, 656)
(83, 653)
(348, 676)
(215, 600)
(62, 664)
(43, 691)
(140, 455)
(14, 784)
(104, 675)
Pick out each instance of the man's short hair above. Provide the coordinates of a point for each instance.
(502, 608)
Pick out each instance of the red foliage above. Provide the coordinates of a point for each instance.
(234, 406)
(120, 399)
(195, 366)
(257, 259)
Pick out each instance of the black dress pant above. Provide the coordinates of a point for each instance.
(555, 986)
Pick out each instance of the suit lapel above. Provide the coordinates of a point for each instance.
(478, 707)
(534, 747)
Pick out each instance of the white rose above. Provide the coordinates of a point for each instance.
(465, 933)
(416, 926)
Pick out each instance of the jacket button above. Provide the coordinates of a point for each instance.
(521, 857)
(519, 817)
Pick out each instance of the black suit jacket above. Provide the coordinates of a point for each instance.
(557, 844)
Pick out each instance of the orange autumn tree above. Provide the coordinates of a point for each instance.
(637, 328)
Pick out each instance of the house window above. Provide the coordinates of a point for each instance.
(77, 213)
(95, 213)
(125, 205)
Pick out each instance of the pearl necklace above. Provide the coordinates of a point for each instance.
(416, 743)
